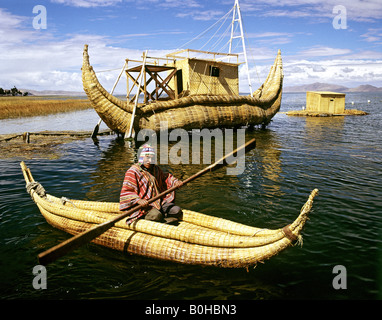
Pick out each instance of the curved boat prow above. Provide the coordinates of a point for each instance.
(293, 231)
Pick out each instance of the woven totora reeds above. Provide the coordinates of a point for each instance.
(307, 113)
(198, 239)
(195, 111)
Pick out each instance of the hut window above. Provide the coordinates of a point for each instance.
(179, 77)
(214, 71)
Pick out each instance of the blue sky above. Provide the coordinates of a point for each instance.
(313, 49)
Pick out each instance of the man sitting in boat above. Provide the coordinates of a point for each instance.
(145, 180)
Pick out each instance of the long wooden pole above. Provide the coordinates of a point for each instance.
(67, 246)
(128, 134)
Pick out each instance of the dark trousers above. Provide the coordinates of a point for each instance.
(168, 210)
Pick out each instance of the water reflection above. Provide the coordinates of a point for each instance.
(328, 129)
(109, 172)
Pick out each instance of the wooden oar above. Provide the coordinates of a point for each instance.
(65, 247)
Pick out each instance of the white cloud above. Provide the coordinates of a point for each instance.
(177, 3)
(348, 72)
(202, 14)
(11, 28)
(166, 4)
(357, 10)
(322, 51)
(373, 35)
(8, 20)
(36, 60)
(56, 64)
(364, 55)
(87, 3)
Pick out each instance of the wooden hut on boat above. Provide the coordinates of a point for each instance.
(196, 76)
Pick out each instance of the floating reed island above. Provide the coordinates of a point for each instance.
(307, 113)
(325, 104)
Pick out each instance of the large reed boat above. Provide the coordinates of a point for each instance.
(189, 89)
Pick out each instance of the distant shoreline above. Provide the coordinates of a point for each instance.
(330, 87)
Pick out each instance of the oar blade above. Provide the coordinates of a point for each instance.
(95, 132)
(73, 243)
(96, 129)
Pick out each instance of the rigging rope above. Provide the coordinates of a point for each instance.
(220, 38)
(204, 32)
(108, 70)
(213, 36)
(37, 187)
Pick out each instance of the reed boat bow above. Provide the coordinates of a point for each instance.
(199, 239)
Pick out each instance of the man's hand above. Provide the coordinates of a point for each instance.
(144, 203)
(178, 183)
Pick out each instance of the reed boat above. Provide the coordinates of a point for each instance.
(200, 92)
(190, 112)
(198, 239)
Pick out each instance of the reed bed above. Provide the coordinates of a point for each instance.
(15, 107)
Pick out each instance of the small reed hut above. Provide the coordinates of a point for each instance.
(197, 76)
(187, 74)
(325, 102)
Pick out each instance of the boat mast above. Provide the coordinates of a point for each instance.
(237, 18)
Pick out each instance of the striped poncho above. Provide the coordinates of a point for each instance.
(139, 183)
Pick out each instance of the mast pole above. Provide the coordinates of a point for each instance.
(143, 71)
(232, 29)
(236, 9)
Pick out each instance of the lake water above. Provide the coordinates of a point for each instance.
(341, 156)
